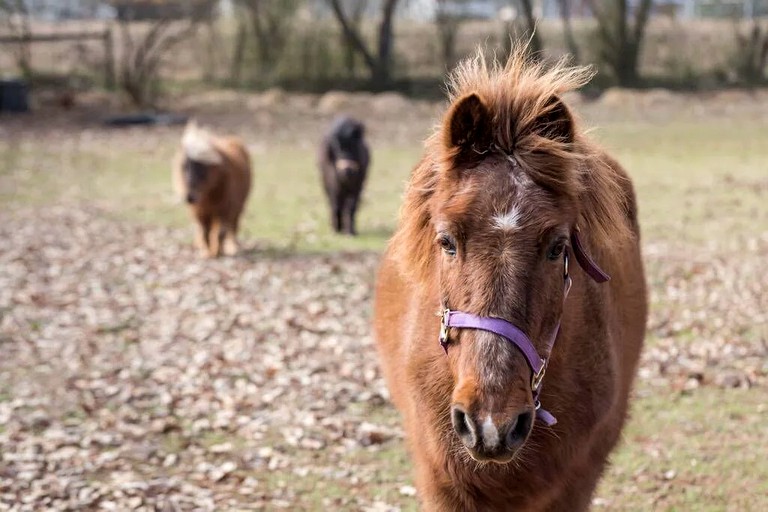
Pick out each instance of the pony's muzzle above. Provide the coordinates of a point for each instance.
(191, 198)
(489, 441)
(347, 166)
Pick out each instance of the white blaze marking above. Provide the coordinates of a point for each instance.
(509, 220)
(490, 434)
(493, 358)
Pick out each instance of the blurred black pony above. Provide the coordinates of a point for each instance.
(343, 161)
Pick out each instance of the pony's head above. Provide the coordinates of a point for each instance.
(487, 221)
(201, 164)
(345, 146)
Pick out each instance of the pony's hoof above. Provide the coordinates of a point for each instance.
(208, 255)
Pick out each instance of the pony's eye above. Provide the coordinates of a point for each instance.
(556, 250)
(447, 243)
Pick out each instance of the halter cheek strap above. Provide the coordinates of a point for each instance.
(513, 334)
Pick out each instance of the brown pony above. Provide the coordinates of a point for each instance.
(509, 188)
(213, 175)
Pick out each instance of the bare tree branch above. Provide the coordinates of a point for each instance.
(534, 45)
(385, 38)
(448, 24)
(621, 35)
(270, 23)
(641, 19)
(358, 8)
(379, 64)
(570, 40)
(140, 62)
(351, 34)
(751, 54)
(15, 17)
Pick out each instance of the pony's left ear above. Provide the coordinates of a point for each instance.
(556, 122)
(467, 124)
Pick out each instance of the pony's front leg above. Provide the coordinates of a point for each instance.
(436, 492)
(202, 231)
(576, 492)
(231, 246)
(214, 238)
(336, 215)
(350, 211)
(576, 496)
(437, 498)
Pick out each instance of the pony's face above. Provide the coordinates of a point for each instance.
(202, 166)
(199, 178)
(346, 148)
(499, 242)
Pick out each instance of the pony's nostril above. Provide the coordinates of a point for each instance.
(190, 198)
(464, 426)
(519, 430)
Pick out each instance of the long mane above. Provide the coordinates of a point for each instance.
(198, 145)
(518, 95)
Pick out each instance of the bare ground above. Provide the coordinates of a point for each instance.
(136, 375)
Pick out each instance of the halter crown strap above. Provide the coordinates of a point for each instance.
(589, 266)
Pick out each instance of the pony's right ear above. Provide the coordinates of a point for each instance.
(556, 123)
(467, 125)
(359, 131)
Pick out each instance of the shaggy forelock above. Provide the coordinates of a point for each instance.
(517, 96)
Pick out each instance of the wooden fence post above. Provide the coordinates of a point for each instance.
(109, 59)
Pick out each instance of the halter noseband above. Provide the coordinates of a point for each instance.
(513, 334)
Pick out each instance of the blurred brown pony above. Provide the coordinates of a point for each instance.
(520, 403)
(213, 176)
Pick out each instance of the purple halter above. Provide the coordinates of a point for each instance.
(460, 320)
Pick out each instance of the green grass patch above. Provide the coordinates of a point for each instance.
(287, 208)
(695, 182)
(699, 451)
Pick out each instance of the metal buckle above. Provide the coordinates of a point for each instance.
(565, 261)
(539, 376)
(444, 329)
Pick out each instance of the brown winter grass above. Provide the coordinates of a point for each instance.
(700, 180)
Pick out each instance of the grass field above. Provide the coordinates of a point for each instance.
(697, 432)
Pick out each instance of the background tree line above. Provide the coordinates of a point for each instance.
(316, 44)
